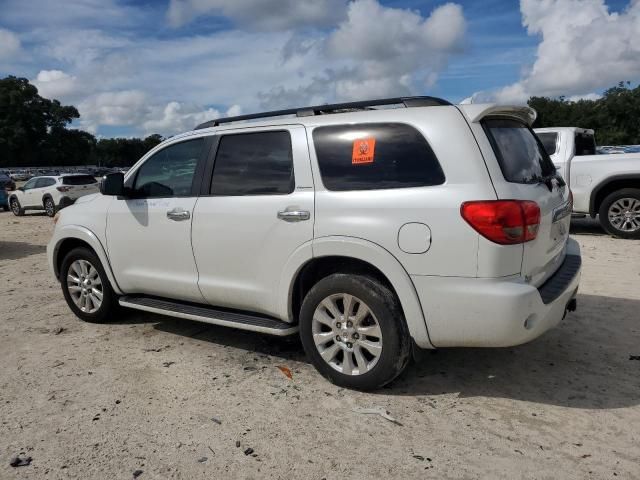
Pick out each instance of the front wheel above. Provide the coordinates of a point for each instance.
(620, 213)
(17, 210)
(85, 286)
(353, 330)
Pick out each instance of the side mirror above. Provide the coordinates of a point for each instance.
(112, 184)
(21, 189)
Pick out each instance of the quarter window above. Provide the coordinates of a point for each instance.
(253, 164)
(169, 172)
(375, 156)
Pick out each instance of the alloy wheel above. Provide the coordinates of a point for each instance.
(347, 334)
(624, 214)
(85, 286)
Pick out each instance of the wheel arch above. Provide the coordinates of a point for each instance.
(608, 186)
(45, 196)
(356, 255)
(73, 236)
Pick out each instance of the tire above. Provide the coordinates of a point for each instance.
(17, 210)
(72, 267)
(49, 207)
(620, 213)
(391, 338)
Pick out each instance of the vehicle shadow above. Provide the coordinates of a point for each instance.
(586, 226)
(583, 363)
(17, 250)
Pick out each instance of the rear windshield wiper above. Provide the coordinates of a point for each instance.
(548, 180)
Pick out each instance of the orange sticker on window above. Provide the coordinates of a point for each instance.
(363, 151)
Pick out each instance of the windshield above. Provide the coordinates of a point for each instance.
(521, 156)
(549, 140)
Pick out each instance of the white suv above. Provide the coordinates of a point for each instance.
(370, 229)
(51, 193)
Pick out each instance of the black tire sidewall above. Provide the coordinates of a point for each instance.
(384, 305)
(604, 212)
(109, 300)
(53, 210)
(20, 211)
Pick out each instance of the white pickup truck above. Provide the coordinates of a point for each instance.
(603, 185)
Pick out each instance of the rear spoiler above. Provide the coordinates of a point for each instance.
(475, 112)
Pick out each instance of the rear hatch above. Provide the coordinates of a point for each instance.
(529, 174)
(75, 186)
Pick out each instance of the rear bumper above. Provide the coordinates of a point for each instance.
(475, 312)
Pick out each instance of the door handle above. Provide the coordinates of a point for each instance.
(294, 215)
(178, 214)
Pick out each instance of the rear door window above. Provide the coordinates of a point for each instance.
(549, 141)
(585, 144)
(45, 182)
(79, 180)
(258, 163)
(521, 155)
(375, 156)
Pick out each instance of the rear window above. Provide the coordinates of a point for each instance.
(78, 180)
(374, 156)
(521, 156)
(585, 144)
(549, 141)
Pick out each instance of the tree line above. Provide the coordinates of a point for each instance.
(34, 130)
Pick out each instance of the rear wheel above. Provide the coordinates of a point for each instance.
(620, 213)
(353, 330)
(17, 210)
(49, 207)
(86, 287)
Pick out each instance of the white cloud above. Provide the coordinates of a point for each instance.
(176, 117)
(261, 14)
(377, 51)
(129, 107)
(9, 43)
(55, 84)
(583, 48)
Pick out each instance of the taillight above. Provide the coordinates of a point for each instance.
(63, 189)
(506, 222)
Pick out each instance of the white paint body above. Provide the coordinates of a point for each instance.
(456, 288)
(32, 197)
(586, 173)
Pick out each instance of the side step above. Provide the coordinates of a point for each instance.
(215, 316)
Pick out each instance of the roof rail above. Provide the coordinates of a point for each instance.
(331, 108)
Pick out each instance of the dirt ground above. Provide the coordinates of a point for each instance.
(174, 398)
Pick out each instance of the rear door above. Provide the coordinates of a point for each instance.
(524, 164)
(256, 211)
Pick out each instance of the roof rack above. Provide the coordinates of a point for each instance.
(332, 108)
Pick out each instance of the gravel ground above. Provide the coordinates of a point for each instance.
(178, 399)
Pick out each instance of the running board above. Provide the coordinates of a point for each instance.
(201, 313)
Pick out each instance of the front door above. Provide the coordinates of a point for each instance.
(149, 232)
(256, 213)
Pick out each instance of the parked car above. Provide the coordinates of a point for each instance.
(369, 230)
(20, 176)
(51, 193)
(6, 185)
(607, 186)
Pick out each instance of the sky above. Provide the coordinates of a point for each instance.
(136, 67)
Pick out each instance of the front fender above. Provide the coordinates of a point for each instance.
(380, 258)
(78, 232)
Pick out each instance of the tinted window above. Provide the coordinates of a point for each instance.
(549, 141)
(585, 144)
(522, 157)
(169, 172)
(253, 164)
(374, 156)
(79, 180)
(44, 182)
(30, 184)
